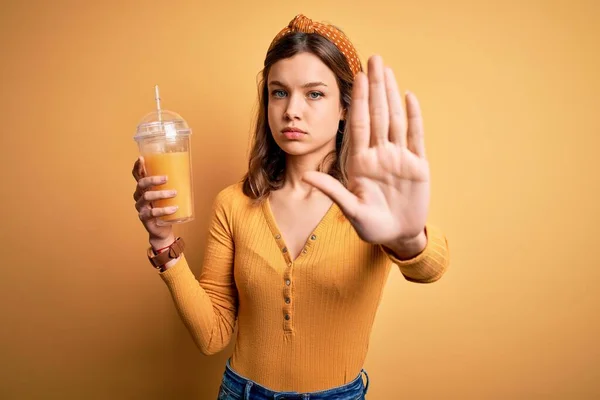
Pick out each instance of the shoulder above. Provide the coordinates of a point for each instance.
(232, 197)
(232, 208)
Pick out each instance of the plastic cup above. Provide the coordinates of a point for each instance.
(164, 140)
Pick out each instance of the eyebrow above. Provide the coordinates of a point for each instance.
(306, 85)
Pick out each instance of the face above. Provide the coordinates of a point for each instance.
(304, 105)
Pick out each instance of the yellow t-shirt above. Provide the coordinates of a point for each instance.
(303, 324)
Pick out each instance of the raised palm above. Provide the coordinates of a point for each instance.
(387, 196)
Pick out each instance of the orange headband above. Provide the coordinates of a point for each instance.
(300, 23)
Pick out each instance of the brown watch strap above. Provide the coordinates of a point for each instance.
(174, 250)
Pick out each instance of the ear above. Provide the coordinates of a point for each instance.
(343, 114)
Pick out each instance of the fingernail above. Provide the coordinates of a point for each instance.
(173, 192)
(173, 208)
(163, 178)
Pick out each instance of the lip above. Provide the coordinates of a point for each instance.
(293, 133)
(291, 129)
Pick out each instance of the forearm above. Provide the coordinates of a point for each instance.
(406, 249)
(209, 317)
(421, 260)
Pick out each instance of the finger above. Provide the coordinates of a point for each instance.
(150, 181)
(359, 115)
(146, 183)
(149, 196)
(150, 213)
(139, 169)
(378, 106)
(143, 164)
(137, 194)
(333, 188)
(415, 135)
(134, 170)
(397, 114)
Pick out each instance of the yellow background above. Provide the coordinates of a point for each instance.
(509, 92)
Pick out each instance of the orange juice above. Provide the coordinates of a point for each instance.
(176, 166)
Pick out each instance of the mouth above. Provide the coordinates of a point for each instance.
(293, 133)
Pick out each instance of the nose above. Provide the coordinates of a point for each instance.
(293, 108)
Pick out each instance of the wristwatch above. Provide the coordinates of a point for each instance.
(172, 252)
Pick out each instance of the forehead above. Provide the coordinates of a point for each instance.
(301, 68)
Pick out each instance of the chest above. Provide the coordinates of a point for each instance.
(297, 221)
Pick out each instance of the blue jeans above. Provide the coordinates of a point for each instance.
(236, 387)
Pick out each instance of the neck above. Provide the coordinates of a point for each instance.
(296, 166)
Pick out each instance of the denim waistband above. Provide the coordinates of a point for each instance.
(246, 389)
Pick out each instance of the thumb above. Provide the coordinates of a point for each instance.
(333, 188)
(143, 167)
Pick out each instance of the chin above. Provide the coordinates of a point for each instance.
(295, 148)
(303, 146)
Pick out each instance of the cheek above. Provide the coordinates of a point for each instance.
(273, 111)
(271, 114)
(329, 118)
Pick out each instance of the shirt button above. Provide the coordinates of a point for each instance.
(289, 264)
(277, 236)
(287, 317)
(313, 237)
(287, 300)
(288, 282)
(304, 251)
(284, 249)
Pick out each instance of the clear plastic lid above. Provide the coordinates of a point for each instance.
(162, 122)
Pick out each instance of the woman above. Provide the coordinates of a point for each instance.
(299, 251)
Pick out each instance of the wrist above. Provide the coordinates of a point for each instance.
(161, 243)
(165, 257)
(405, 249)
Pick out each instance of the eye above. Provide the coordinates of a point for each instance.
(315, 95)
(278, 93)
